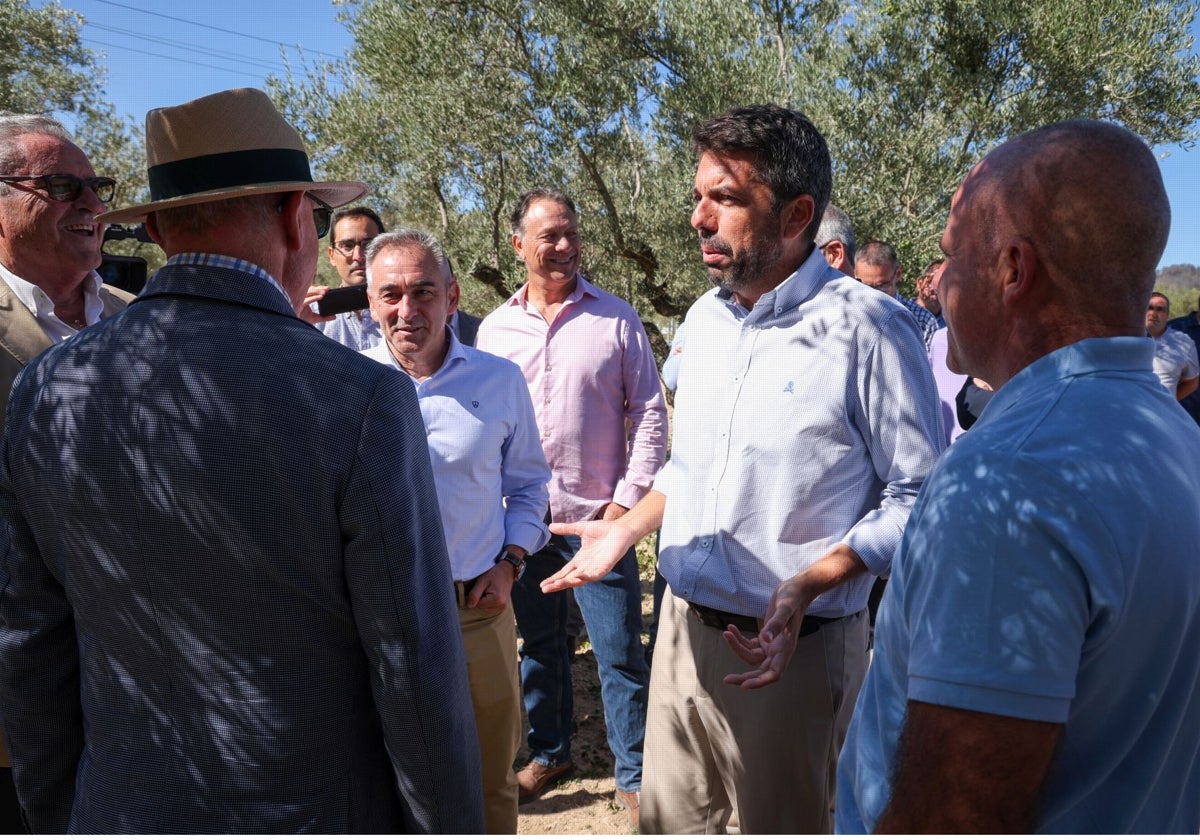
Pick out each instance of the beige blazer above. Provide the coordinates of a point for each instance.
(22, 338)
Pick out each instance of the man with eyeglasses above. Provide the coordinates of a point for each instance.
(49, 252)
(835, 238)
(49, 242)
(878, 266)
(353, 230)
(227, 605)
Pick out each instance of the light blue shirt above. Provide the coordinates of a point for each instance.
(356, 330)
(487, 456)
(670, 368)
(1051, 571)
(807, 422)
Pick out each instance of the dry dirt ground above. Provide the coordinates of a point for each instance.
(583, 804)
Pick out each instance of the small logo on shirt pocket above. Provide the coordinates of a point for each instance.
(789, 388)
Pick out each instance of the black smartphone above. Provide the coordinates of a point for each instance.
(344, 299)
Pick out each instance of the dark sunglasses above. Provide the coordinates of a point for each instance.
(322, 215)
(67, 187)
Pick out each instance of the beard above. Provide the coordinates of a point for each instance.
(747, 268)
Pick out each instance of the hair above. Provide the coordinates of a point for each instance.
(1164, 297)
(13, 126)
(836, 227)
(933, 264)
(789, 155)
(356, 212)
(517, 217)
(409, 238)
(204, 218)
(877, 252)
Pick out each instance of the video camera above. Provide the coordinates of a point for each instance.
(128, 273)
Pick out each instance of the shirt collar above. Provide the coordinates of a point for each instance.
(222, 261)
(1119, 354)
(39, 303)
(454, 353)
(582, 287)
(799, 287)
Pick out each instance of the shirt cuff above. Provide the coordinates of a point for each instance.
(531, 536)
(628, 495)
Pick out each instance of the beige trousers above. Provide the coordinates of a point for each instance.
(490, 641)
(762, 761)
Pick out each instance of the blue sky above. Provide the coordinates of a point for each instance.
(164, 52)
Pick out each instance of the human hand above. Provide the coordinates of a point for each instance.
(493, 589)
(604, 543)
(306, 312)
(771, 650)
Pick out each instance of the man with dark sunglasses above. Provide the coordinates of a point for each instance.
(226, 600)
(49, 242)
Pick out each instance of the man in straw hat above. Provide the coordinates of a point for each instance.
(227, 605)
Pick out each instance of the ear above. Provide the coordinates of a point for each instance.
(835, 253)
(151, 225)
(453, 293)
(519, 247)
(295, 214)
(796, 216)
(1018, 265)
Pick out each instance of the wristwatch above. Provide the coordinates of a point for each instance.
(518, 563)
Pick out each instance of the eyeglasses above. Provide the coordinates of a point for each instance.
(67, 187)
(346, 247)
(322, 215)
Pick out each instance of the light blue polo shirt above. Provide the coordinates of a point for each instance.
(1051, 571)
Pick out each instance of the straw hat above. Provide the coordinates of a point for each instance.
(228, 145)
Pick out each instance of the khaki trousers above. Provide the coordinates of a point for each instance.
(721, 758)
(490, 641)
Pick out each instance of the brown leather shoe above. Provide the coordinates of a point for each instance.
(631, 801)
(535, 779)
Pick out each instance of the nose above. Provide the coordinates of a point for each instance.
(701, 218)
(88, 200)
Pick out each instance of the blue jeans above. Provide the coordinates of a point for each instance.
(612, 609)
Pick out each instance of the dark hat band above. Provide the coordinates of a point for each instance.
(227, 169)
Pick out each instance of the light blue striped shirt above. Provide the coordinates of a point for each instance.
(487, 458)
(809, 421)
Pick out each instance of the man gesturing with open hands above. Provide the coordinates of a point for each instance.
(805, 423)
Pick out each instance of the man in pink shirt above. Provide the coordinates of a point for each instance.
(603, 425)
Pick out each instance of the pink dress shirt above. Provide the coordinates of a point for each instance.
(596, 394)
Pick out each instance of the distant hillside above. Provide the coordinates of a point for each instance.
(1180, 276)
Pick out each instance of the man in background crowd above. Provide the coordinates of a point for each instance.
(354, 228)
(1175, 360)
(835, 239)
(603, 423)
(927, 291)
(1189, 325)
(878, 266)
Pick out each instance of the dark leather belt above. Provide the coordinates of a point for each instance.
(720, 620)
(462, 587)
